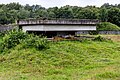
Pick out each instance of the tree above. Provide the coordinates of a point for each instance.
(37, 7)
(103, 15)
(106, 5)
(23, 14)
(3, 17)
(87, 13)
(114, 16)
(13, 11)
(51, 14)
(56, 12)
(41, 13)
(1, 5)
(28, 7)
(11, 16)
(15, 6)
(119, 6)
(75, 10)
(65, 12)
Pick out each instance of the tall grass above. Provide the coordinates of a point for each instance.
(31, 59)
(64, 60)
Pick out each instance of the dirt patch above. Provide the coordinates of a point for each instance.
(113, 37)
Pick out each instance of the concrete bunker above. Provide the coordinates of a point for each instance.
(51, 28)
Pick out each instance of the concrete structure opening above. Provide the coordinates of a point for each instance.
(50, 34)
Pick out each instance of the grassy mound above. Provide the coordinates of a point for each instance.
(107, 26)
(65, 60)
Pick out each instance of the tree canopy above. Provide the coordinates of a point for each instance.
(11, 12)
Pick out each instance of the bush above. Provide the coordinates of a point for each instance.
(35, 41)
(2, 34)
(99, 38)
(13, 38)
(93, 32)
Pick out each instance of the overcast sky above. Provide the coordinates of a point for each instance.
(59, 3)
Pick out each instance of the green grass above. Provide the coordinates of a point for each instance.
(0, 38)
(64, 60)
(107, 26)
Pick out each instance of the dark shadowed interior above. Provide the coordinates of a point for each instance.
(51, 34)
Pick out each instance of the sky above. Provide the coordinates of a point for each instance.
(59, 3)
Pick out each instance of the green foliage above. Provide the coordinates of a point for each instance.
(65, 13)
(99, 38)
(41, 13)
(108, 75)
(64, 60)
(103, 14)
(2, 34)
(93, 32)
(107, 26)
(87, 13)
(13, 38)
(35, 41)
(3, 17)
(23, 14)
(114, 15)
(15, 11)
(14, 6)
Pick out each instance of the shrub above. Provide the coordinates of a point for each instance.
(99, 38)
(13, 38)
(2, 34)
(35, 41)
(93, 32)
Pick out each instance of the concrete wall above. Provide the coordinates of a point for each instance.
(99, 32)
(5, 28)
(109, 32)
(82, 32)
(60, 21)
(58, 28)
